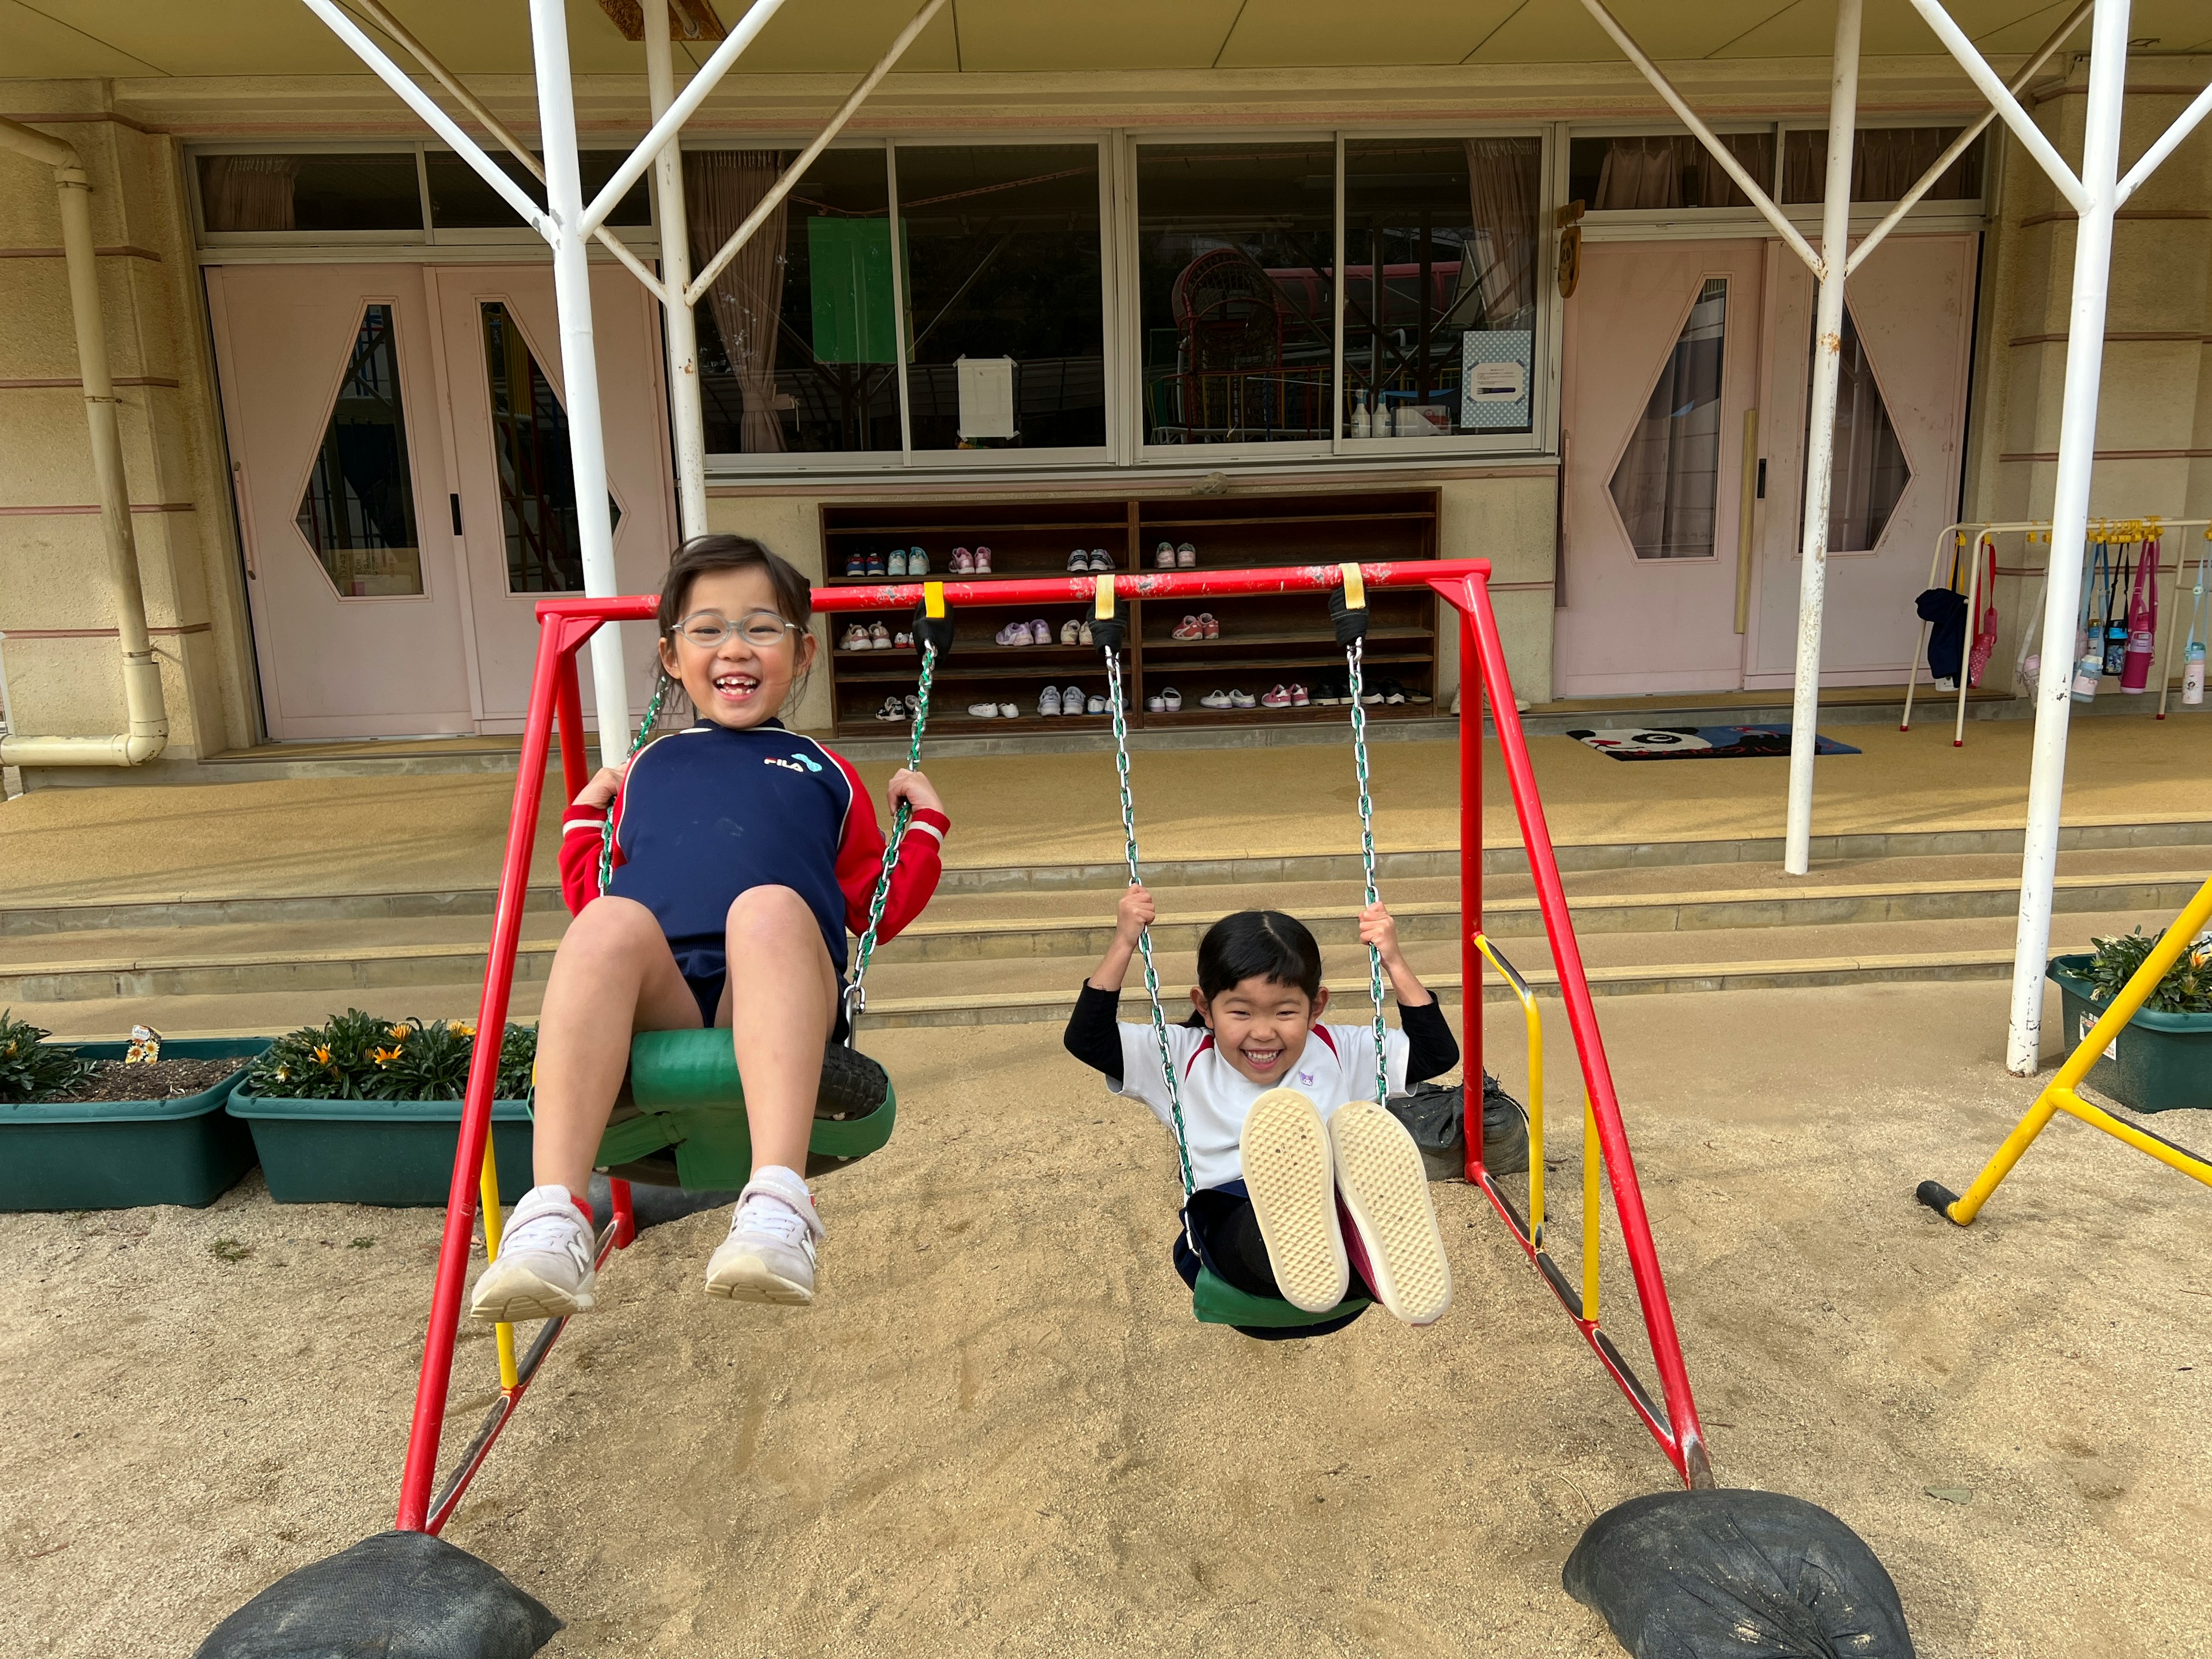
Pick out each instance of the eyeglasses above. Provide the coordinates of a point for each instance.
(761, 630)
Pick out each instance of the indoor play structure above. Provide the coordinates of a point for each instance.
(684, 1092)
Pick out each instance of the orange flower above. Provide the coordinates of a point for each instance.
(399, 1034)
(460, 1027)
(322, 1054)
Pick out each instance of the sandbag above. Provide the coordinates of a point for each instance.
(1737, 1574)
(1435, 1117)
(396, 1596)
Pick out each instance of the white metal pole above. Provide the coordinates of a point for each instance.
(2070, 523)
(1820, 439)
(682, 327)
(580, 367)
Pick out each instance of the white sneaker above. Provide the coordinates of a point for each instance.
(1071, 632)
(1082, 635)
(1079, 561)
(917, 563)
(895, 565)
(1156, 704)
(1007, 711)
(1186, 557)
(1163, 556)
(1097, 705)
(1242, 700)
(545, 1267)
(1049, 702)
(769, 1254)
(1101, 563)
(1218, 700)
(984, 711)
(1071, 701)
(1173, 699)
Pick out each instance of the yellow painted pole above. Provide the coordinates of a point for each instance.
(2165, 1151)
(1593, 1160)
(1535, 1024)
(503, 1334)
(2059, 1092)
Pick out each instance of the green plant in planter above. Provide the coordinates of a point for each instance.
(28, 1070)
(2186, 988)
(358, 1056)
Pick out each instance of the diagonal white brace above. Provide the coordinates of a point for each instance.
(1720, 152)
(687, 102)
(796, 170)
(1964, 142)
(2001, 98)
(377, 13)
(436, 119)
(2165, 147)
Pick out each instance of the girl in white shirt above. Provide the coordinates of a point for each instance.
(1303, 1183)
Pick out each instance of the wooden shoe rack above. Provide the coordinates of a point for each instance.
(1265, 641)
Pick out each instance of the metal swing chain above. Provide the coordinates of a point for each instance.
(1144, 939)
(661, 686)
(1354, 657)
(856, 998)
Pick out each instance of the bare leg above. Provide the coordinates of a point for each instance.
(613, 976)
(782, 998)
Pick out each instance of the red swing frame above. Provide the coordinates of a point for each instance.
(555, 702)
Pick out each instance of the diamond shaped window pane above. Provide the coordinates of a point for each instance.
(1669, 480)
(358, 514)
(536, 478)
(1871, 472)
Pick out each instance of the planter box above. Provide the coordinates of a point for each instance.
(2158, 1062)
(393, 1152)
(118, 1154)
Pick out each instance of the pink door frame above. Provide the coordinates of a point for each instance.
(1627, 624)
(335, 666)
(1912, 303)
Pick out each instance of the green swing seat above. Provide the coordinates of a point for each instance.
(1217, 1301)
(680, 1118)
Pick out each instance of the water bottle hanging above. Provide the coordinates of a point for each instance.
(2088, 649)
(2143, 624)
(2192, 657)
(2115, 627)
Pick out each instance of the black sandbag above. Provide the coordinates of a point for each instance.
(397, 1595)
(1435, 1116)
(1737, 1574)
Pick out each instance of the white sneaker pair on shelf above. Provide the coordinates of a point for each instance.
(899, 708)
(867, 636)
(1165, 557)
(1052, 701)
(1229, 700)
(1200, 627)
(1166, 701)
(994, 711)
(1097, 559)
(1026, 633)
(965, 563)
(546, 1266)
(907, 562)
(1350, 1193)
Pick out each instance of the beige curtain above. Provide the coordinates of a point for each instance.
(720, 187)
(248, 193)
(1886, 162)
(1503, 187)
(1641, 173)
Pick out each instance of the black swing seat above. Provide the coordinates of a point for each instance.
(680, 1118)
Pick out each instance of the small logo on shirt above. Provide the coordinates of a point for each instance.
(805, 760)
(792, 765)
(1306, 1077)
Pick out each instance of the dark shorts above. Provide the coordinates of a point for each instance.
(706, 991)
(1228, 1233)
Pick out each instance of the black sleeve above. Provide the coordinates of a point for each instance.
(1094, 1038)
(1430, 1047)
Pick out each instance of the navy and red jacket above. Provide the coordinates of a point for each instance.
(711, 811)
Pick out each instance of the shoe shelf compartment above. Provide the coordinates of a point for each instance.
(1265, 639)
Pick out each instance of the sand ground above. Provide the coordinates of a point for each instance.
(1000, 1431)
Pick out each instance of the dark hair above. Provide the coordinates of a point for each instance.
(1262, 944)
(704, 554)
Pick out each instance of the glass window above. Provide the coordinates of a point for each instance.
(1234, 250)
(311, 192)
(1667, 484)
(1886, 162)
(461, 200)
(1005, 320)
(797, 337)
(1871, 472)
(1439, 285)
(536, 478)
(1670, 170)
(358, 514)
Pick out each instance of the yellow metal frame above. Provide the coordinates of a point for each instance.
(2060, 1095)
(487, 1183)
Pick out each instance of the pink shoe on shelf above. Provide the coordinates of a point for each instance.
(1278, 698)
(1186, 557)
(1211, 630)
(1163, 556)
(963, 562)
(1187, 629)
(982, 561)
(1299, 699)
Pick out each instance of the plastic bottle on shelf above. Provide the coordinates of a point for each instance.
(1360, 423)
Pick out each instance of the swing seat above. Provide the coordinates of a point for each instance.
(1217, 1301)
(680, 1118)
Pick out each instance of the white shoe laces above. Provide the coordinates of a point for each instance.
(552, 1228)
(765, 1216)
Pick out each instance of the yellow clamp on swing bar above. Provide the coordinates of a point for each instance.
(1104, 602)
(487, 1183)
(1355, 587)
(1536, 1021)
(933, 600)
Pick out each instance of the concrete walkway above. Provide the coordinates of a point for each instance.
(434, 833)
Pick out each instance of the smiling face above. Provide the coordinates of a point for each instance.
(1260, 1026)
(737, 683)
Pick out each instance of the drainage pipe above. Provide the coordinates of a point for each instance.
(149, 733)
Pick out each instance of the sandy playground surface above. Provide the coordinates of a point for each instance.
(1000, 1432)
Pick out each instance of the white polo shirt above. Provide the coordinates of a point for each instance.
(1337, 1065)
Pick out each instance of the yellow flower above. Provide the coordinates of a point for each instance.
(399, 1034)
(384, 1056)
(322, 1054)
(460, 1027)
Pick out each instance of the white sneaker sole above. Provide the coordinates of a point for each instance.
(1285, 1152)
(1385, 1189)
(521, 1294)
(749, 1278)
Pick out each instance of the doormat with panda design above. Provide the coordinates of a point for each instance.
(1646, 742)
